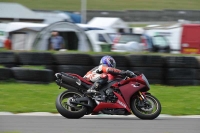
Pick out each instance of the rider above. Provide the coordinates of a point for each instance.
(99, 76)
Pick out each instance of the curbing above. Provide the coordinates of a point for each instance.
(95, 116)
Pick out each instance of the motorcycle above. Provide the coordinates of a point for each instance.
(120, 96)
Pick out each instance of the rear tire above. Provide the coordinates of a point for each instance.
(147, 113)
(71, 111)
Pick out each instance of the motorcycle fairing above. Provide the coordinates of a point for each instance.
(119, 104)
(138, 79)
(129, 89)
(81, 78)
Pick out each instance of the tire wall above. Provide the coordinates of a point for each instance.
(150, 65)
(168, 70)
(182, 70)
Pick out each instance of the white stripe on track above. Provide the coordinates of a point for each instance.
(95, 116)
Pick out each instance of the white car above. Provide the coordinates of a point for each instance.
(128, 43)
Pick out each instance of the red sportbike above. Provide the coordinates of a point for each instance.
(121, 96)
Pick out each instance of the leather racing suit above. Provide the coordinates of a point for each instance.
(98, 75)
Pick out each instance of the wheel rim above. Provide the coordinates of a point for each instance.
(66, 99)
(150, 108)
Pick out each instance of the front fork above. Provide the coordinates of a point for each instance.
(143, 101)
(142, 96)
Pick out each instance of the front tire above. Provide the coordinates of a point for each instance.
(149, 111)
(67, 109)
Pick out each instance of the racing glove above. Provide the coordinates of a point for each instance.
(129, 73)
(120, 72)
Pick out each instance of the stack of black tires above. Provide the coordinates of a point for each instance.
(168, 70)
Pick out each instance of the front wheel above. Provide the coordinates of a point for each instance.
(66, 108)
(149, 109)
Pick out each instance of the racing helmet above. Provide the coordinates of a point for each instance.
(108, 60)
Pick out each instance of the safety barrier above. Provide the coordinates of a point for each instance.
(159, 69)
(147, 15)
(144, 15)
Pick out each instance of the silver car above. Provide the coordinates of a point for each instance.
(128, 42)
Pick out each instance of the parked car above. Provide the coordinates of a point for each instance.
(129, 42)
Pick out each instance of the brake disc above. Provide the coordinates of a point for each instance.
(150, 106)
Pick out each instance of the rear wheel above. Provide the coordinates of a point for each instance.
(146, 110)
(68, 109)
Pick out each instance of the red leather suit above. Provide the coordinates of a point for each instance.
(100, 72)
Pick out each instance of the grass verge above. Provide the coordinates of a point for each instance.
(21, 97)
(34, 67)
(75, 5)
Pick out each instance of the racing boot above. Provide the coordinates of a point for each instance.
(97, 85)
(93, 88)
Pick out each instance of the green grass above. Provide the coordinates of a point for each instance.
(181, 100)
(75, 5)
(1, 66)
(9, 132)
(21, 97)
(138, 25)
(104, 53)
(34, 67)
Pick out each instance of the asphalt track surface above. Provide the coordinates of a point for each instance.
(97, 124)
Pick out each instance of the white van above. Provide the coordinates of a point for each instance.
(98, 36)
(172, 33)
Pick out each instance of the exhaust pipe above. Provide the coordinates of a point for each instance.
(68, 79)
(66, 86)
(83, 100)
